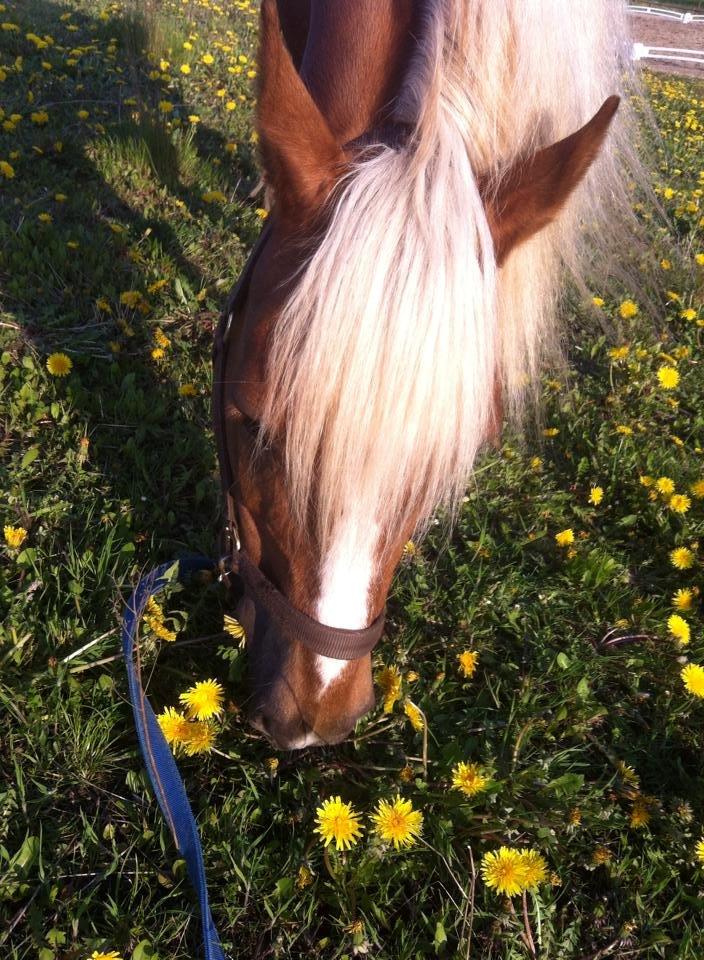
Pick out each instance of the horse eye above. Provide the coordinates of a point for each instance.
(250, 425)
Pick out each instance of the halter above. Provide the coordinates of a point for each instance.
(334, 642)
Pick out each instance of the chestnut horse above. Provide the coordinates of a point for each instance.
(431, 175)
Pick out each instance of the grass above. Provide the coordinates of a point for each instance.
(112, 469)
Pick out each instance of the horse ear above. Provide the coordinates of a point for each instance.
(531, 194)
(302, 159)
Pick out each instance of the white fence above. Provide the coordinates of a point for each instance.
(642, 52)
(666, 14)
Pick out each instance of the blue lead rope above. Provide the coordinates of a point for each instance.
(161, 767)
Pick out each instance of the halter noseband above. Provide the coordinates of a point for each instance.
(334, 642)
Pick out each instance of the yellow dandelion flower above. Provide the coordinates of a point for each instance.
(601, 856)
(693, 679)
(203, 700)
(665, 486)
(165, 106)
(14, 536)
(469, 779)
(646, 481)
(468, 660)
(679, 628)
(624, 430)
(682, 558)
(679, 503)
(551, 431)
(682, 599)
(397, 822)
(58, 364)
(389, 679)
(688, 314)
(233, 627)
(7, 170)
(414, 715)
(174, 726)
(699, 851)
(535, 869)
(338, 821)
(598, 301)
(187, 390)
(502, 870)
(619, 353)
(45, 218)
(668, 377)
(628, 309)
(640, 814)
(596, 495)
(574, 817)
(565, 537)
(200, 739)
(185, 69)
(697, 489)
(214, 196)
(699, 257)
(207, 59)
(101, 955)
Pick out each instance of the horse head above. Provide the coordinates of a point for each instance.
(364, 358)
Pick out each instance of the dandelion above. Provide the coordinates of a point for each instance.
(397, 822)
(688, 314)
(682, 558)
(7, 170)
(665, 486)
(598, 302)
(628, 309)
(679, 503)
(40, 117)
(619, 353)
(58, 364)
(551, 431)
(596, 495)
(679, 628)
(468, 662)
(389, 679)
(535, 869)
(338, 821)
(469, 779)
(45, 218)
(668, 377)
(185, 69)
(82, 114)
(414, 715)
(203, 700)
(174, 726)
(187, 390)
(14, 536)
(502, 871)
(693, 679)
(624, 430)
(640, 814)
(565, 537)
(682, 599)
(233, 627)
(101, 955)
(166, 106)
(601, 856)
(699, 851)
(214, 196)
(697, 489)
(200, 739)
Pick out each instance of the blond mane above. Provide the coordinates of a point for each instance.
(383, 362)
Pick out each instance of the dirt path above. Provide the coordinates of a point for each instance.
(656, 32)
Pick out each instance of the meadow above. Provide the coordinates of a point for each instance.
(541, 679)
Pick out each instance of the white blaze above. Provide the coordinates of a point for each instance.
(344, 589)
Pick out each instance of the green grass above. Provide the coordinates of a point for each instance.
(112, 470)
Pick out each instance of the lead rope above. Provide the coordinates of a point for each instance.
(156, 753)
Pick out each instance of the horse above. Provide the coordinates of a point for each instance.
(434, 169)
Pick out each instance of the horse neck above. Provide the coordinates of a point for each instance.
(354, 61)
